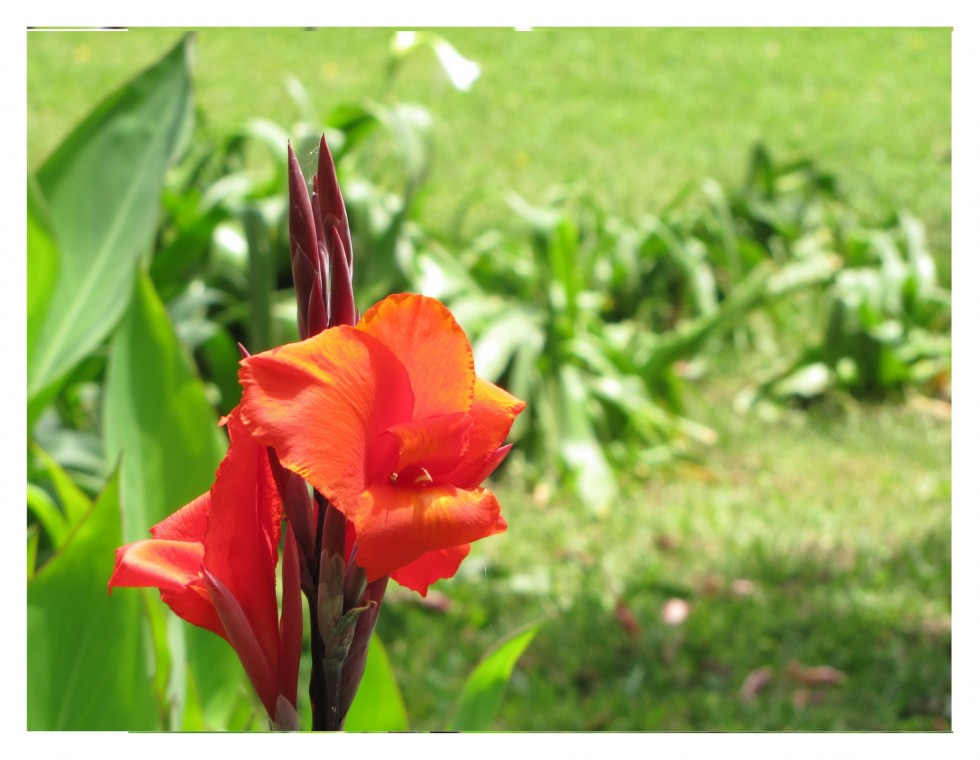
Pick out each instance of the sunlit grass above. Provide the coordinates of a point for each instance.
(634, 113)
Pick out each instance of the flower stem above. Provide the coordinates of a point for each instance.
(318, 684)
(327, 608)
(332, 669)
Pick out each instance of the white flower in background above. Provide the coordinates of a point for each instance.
(462, 72)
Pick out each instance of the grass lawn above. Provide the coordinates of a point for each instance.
(636, 113)
(819, 540)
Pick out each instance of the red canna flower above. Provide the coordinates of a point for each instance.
(388, 421)
(214, 562)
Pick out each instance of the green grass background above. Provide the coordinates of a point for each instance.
(839, 518)
(636, 113)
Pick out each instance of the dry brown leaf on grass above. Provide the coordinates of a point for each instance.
(710, 584)
(819, 675)
(937, 408)
(628, 620)
(755, 682)
(805, 698)
(742, 587)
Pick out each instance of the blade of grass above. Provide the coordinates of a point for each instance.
(484, 689)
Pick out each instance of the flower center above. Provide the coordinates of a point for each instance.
(413, 475)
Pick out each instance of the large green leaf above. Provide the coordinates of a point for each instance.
(102, 188)
(484, 689)
(42, 276)
(87, 660)
(42, 263)
(157, 417)
(378, 704)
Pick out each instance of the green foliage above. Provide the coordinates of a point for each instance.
(101, 188)
(378, 704)
(158, 421)
(72, 684)
(590, 318)
(156, 417)
(889, 321)
(150, 401)
(42, 265)
(223, 266)
(886, 318)
(54, 499)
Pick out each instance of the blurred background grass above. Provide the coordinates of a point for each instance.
(636, 113)
(807, 537)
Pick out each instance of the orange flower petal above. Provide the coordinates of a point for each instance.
(389, 422)
(493, 413)
(322, 404)
(397, 525)
(426, 339)
(473, 472)
(430, 567)
(436, 443)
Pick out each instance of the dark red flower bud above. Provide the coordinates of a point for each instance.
(309, 272)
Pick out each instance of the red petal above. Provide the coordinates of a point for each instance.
(242, 540)
(260, 667)
(322, 405)
(194, 605)
(430, 567)
(189, 523)
(433, 348)
(174, 567)
(157, 564)
(397, 525)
